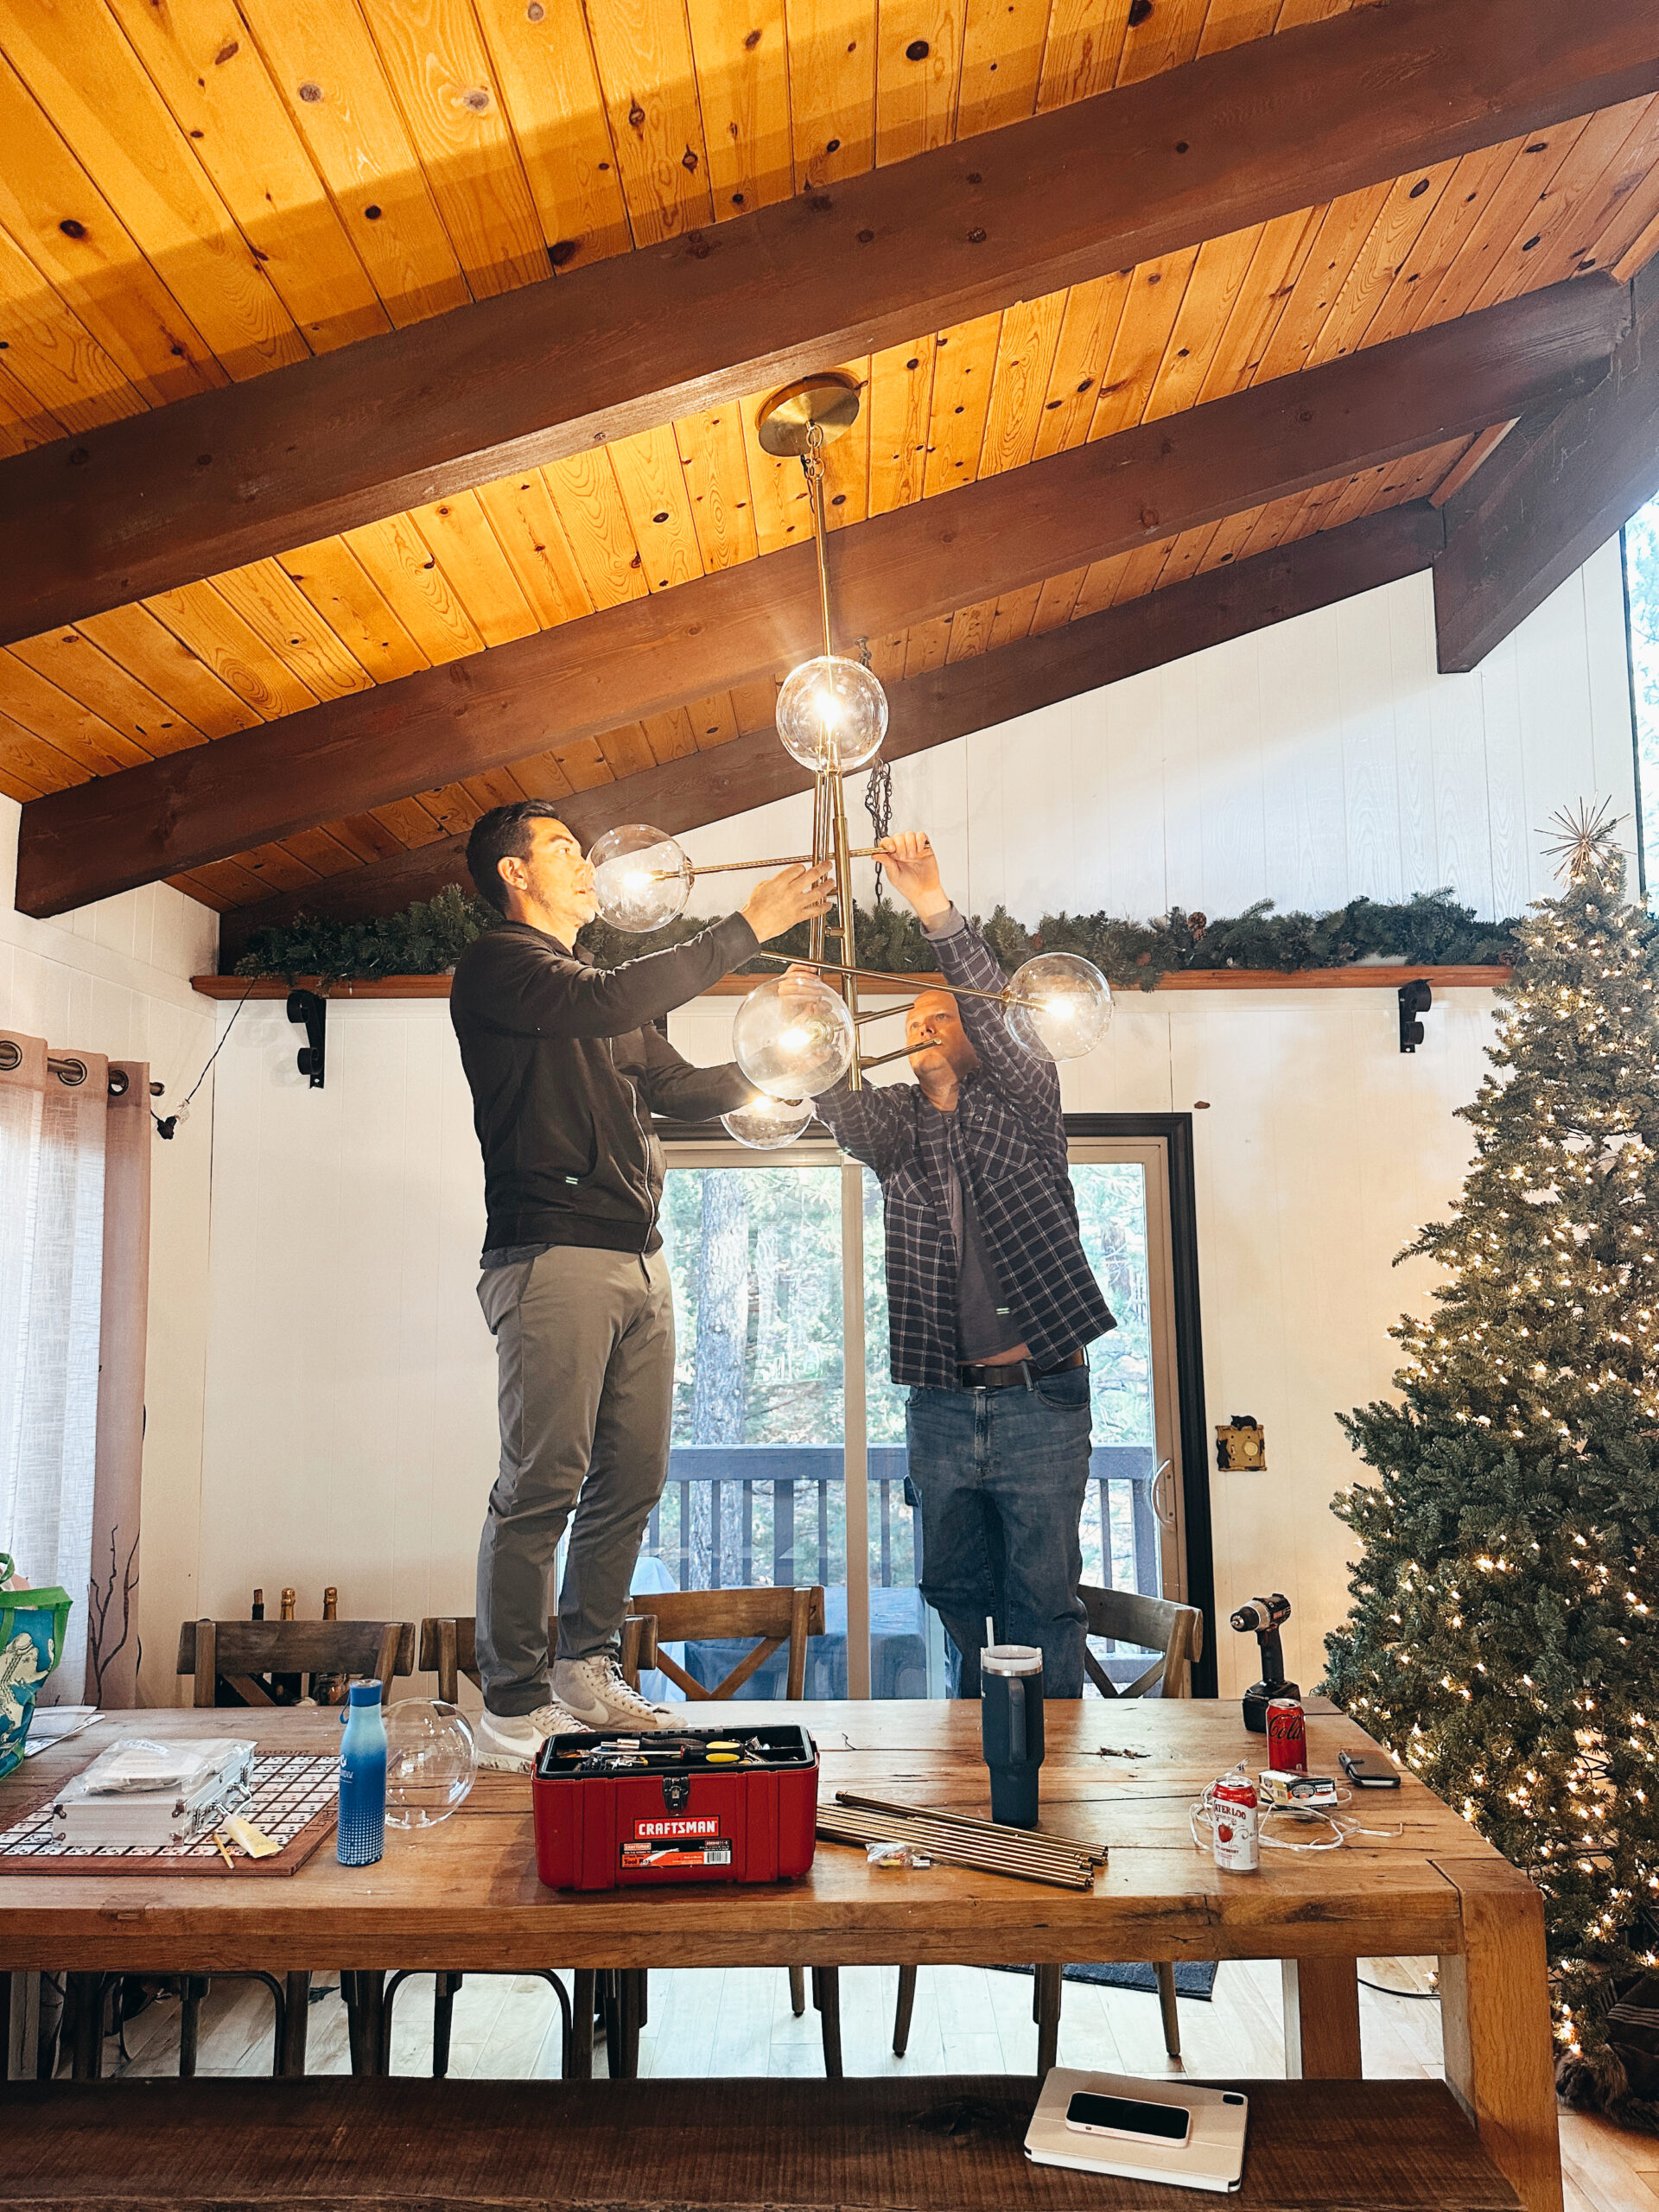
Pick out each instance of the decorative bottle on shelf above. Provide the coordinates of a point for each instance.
(329, 1689)
(361, 1838)
(259, 1611)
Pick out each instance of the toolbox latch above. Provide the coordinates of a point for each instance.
(677, 1791)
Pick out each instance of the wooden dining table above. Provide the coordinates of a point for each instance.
(464, 1896)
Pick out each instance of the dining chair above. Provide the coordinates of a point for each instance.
(1174, 1633)
(243, 1655)
(776, 1620)
(238, 1653)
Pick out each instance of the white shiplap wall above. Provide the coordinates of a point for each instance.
(349, 1422)
(114, 978)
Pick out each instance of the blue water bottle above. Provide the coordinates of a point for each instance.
(361, 1838)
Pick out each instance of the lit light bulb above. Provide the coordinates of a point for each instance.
(1062, 1005)
(794, 1038)
(831, 713)
(642, 877)
(765, 1123)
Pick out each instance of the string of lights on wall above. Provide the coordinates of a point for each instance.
(797, 1036)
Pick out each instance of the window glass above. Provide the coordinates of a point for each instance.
(756, 1491)
(1642, 594)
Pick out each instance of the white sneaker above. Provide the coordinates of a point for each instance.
(511, 1741)
(596, 1692)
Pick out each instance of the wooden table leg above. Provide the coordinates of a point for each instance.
(581, 2024)
(1500, 2059)
(1321, 2019)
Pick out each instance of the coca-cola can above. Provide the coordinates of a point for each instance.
(1233, 1824)
(1286, 1736)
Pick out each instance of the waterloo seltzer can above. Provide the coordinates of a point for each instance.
(1286, 1736)
(1233, 1824)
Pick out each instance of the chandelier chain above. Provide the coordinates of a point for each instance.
(878, 796)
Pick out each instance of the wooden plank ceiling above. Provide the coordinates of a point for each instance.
(201, 192)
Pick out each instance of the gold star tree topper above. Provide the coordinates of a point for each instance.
(1587, 842)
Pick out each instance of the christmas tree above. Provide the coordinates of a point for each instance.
(1502, 1637)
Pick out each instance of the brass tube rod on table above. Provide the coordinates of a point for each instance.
(1071, 1845)
(957, 1847)
(986, 1835)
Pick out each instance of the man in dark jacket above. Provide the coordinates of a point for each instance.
(990, 1300)
(567, 1066)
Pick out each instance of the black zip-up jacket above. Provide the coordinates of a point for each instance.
(566, 1071)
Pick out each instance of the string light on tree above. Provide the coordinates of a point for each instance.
(1499, 1635)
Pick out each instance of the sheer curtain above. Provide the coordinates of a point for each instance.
(73, 1266)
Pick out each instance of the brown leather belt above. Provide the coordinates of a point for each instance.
(1004, 1375)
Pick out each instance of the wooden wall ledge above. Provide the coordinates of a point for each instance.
(1356, 978)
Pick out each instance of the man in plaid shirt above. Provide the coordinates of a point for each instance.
(991, 1302)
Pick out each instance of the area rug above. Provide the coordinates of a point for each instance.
(1193, 1977)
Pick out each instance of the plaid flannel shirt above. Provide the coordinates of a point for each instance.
(1006, 1142)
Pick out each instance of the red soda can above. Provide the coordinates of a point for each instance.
(1286, 1736)
(1234, 1821)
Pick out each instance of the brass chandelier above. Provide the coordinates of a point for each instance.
(796, 1036)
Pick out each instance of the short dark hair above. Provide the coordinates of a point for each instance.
(503, 834)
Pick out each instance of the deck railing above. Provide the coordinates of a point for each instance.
(775, 1514)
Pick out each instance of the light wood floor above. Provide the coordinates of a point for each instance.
(967, 2020)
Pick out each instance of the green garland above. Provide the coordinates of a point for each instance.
(1429, 931)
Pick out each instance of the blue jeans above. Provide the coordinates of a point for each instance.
(1001, 1475)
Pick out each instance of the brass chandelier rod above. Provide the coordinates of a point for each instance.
(915, 984)
(812, 469)
(724, 867)
(830, 839)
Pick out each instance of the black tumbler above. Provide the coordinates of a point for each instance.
(1011, 1728)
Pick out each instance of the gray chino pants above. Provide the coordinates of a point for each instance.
(585, 1360)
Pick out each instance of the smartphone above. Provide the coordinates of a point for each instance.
(1128, 2118)
(1370, 1769)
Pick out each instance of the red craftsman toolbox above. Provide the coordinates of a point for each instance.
(693, 1805)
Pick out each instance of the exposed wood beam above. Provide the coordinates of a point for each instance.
(1275, 125)
(953, 702)
(1474, 459)
(585, 678)
(1544, 502)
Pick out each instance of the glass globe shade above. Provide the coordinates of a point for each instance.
(794, 1038)
(430, 1762)
(832, 714)
(1066, 1006)
(641, 877)
(764, 1123)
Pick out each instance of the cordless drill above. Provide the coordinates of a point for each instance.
(1266, 1616)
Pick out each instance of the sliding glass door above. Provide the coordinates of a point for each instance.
(788, 1463)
